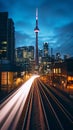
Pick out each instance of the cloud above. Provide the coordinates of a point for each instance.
(21, 25)
(65, 39)
(3, 6)
(55, 22)
(21, 38)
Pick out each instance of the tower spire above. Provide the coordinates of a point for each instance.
(36, 13)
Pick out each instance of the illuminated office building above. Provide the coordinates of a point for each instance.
(45, 49)
(7, 39)
(25, 52)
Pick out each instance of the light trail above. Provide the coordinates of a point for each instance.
(35, 116)
(12, 108)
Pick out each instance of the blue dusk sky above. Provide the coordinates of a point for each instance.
(55, 21)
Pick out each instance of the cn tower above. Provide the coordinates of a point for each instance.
(36, 30)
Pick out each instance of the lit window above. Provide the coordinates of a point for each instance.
(4, 42)
(44, 63)
(70, 78)
(54, 71)
(4, 78)
(0, 51)
(59, 70)
(4, 50)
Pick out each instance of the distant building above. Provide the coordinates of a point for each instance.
(25, 52)
(40, 55)
(46, 59)
(20, 53)
(58, 56)
(25, 57)
(31, 53)
(7, 38)
(66, 57)
(63, 72)
(45, 49)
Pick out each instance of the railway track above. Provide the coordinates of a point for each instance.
(45, 110)
(36, 118)
(61, 114)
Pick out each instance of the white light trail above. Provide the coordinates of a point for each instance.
(12, 108)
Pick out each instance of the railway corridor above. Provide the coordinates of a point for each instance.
(35, 118)
(37, 106)
(48, 109)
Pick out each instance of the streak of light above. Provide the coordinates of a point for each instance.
(12, 108)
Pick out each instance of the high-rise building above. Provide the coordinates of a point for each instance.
(36, 30)
(7, 48)
(40, 55)
(3, 34)
(19, 54)
(7, 40)
(25, 57)
(25, 52)
(11, 41)
(58, 56)
(31, 52)
(45, 49)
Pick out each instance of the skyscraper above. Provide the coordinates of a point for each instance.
(31, 52)
(7, 40)
(3, 35)
(11, 41)
(36, 30)
(45, 49)
(25, 52)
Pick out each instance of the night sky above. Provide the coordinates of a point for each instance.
(55, 22)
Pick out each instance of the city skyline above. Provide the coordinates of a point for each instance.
(55, 23)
